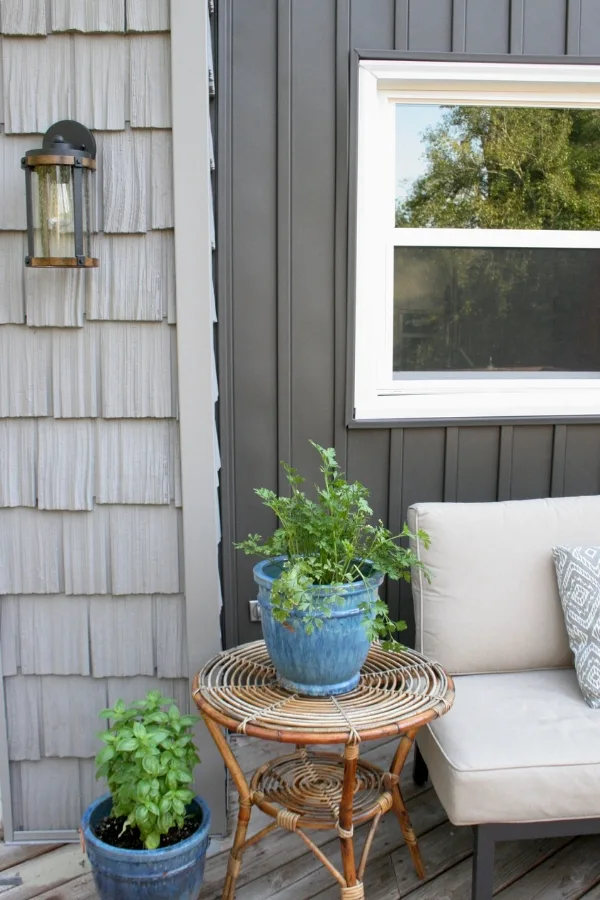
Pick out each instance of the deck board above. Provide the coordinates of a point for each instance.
(281, 867)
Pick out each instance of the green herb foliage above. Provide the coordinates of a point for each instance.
(148, 762)
(331, 542)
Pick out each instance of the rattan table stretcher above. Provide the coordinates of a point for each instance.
(397, 694)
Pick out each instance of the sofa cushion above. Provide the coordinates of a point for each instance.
(492, 604)
(518, 747)
(578, 575)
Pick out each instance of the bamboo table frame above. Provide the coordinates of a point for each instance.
(397, 694)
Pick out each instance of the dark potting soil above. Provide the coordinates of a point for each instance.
(109, 831)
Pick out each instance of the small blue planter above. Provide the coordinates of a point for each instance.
(173, 873)
(327, 661)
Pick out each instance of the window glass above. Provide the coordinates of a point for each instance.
(519, 310)
(497, 167)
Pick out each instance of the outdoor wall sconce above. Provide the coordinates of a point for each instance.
(57, 192)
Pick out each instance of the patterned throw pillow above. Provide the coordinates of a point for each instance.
(578, 574)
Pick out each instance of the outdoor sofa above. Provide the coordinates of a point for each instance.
(518, 756)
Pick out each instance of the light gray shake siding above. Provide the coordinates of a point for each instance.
(91, 605)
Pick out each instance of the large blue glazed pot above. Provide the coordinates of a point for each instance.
(329, 659)
(172, 873)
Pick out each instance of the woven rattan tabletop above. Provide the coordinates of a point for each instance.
(397, 691)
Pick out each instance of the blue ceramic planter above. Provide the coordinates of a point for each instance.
(328, 660)
(173, 873)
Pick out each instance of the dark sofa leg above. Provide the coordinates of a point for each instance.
(483, 863)
(420, 773)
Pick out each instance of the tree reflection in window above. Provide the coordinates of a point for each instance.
(497, 308)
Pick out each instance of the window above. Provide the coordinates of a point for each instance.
(478, 240)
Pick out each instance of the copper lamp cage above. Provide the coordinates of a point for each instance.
(58, 192)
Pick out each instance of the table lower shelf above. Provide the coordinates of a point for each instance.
(309, 785)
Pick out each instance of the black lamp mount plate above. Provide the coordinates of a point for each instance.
(73, 133)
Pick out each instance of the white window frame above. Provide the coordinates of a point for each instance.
(377, 395)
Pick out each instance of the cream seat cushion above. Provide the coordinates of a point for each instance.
(518, 747)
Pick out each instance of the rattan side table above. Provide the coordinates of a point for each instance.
(397, 694)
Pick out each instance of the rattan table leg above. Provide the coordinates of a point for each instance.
(398, 802)
(235, 856)
(245, 808)
(353, 889)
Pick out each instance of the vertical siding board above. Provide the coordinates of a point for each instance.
(69, 712)
(147, 16)
(53, 636)
(451, 465)
(532, 462)
(369, 463)
(23, 17)
(162, 209)
(31, 552)
(12, 208)
(574, 36)
(135, 462)
(18, 447)
(124, 178)
(25, 372)
(477, 470)
(395, 508)
(87, 15)
(372, 24)
(136, 278)
(86, 552)
(136, 368)
(102, 80)
(144, 549)
(284, 236)
(10, 649)
(559, 455)
(76, 372)
(342, 172)
(589, 28)
(253, 61)
(37, 83)
(545, 27)
(401, 25)
(48, 792)
(517, 25)
(582, 460)
(423, 464)
(170, 641)
(459, 26)
(54, 297)
(65, 465)
(430, 25)
(121, 636)
(487, 26)
(505, 462)
(22, 714)
(12, 252)
(150, 81)
(312, 230)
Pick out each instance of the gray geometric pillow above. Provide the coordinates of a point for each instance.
(578, 574)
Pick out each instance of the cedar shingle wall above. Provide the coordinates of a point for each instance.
(91, 605)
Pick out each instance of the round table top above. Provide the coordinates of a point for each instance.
(397, 691)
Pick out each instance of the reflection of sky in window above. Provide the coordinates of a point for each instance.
(411, 121)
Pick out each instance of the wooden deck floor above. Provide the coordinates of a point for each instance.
(280, 867)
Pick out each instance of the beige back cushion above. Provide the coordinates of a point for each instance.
(492, 604)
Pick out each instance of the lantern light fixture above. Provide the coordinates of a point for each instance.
(57, 192)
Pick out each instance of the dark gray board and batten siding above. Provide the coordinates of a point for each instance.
(283, 197)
